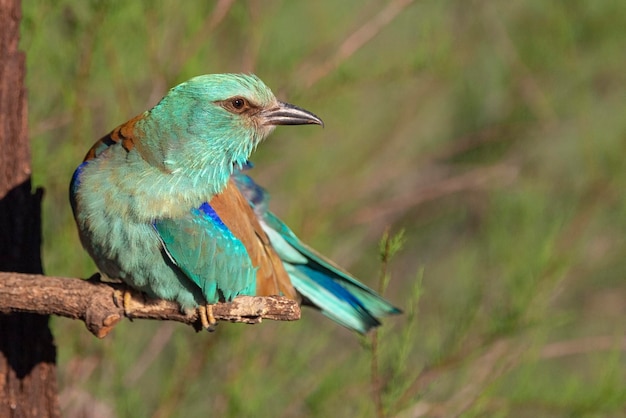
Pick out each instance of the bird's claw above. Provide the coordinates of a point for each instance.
(207, 319)
(127, 297)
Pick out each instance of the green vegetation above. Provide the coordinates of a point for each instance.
(492, 133)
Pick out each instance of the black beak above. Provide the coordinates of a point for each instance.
(288, 114)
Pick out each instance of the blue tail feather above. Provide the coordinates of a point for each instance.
(333, 300)
(322, 284)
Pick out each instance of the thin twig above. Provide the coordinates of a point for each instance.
(476, 179)
(582, 346)
(199, 39)
(376, 382)
(150, 354)
(527, 84)
(356, 40)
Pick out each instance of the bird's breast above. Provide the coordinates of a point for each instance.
(124, 183)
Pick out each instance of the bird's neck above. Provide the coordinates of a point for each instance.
(189, 151)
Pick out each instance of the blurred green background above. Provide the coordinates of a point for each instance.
(492, 133)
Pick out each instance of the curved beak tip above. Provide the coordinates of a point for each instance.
(288, 114)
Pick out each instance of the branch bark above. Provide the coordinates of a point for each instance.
(100, 305)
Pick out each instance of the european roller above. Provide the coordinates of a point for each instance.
(162, 204)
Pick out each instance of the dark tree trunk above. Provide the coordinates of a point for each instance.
(28, 385)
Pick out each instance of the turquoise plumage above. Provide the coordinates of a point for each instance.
(158, 203)
(319, 281)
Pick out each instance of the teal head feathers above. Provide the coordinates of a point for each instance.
(209, 124)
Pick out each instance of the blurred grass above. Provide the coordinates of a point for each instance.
(493, 133)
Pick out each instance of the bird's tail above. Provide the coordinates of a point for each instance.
(321, 283)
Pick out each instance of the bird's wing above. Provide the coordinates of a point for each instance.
(205, 249)
(223, 249)
(322, 283)
(123, 135)
(316, 261)
(315, 274)
(236, 213)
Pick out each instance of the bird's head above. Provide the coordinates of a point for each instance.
(212, 122)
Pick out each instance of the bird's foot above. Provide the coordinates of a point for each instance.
(208, 321)
(125, 302)
(126, 299)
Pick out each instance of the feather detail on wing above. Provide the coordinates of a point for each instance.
(236, 213)
(123, 134)
(204, 248)
(321, 283)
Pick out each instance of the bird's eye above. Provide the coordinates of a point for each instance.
(238, 103)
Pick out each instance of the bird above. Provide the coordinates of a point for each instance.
(162, 203)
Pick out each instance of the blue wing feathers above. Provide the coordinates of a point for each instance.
(206, 209)
(75, 183)
(209, 254)
(322, 284)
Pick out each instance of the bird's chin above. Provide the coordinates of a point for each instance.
(263, 133)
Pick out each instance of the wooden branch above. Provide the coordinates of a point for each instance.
(100, 304)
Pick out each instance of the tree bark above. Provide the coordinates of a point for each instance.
(102, 305)
(28, 386)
